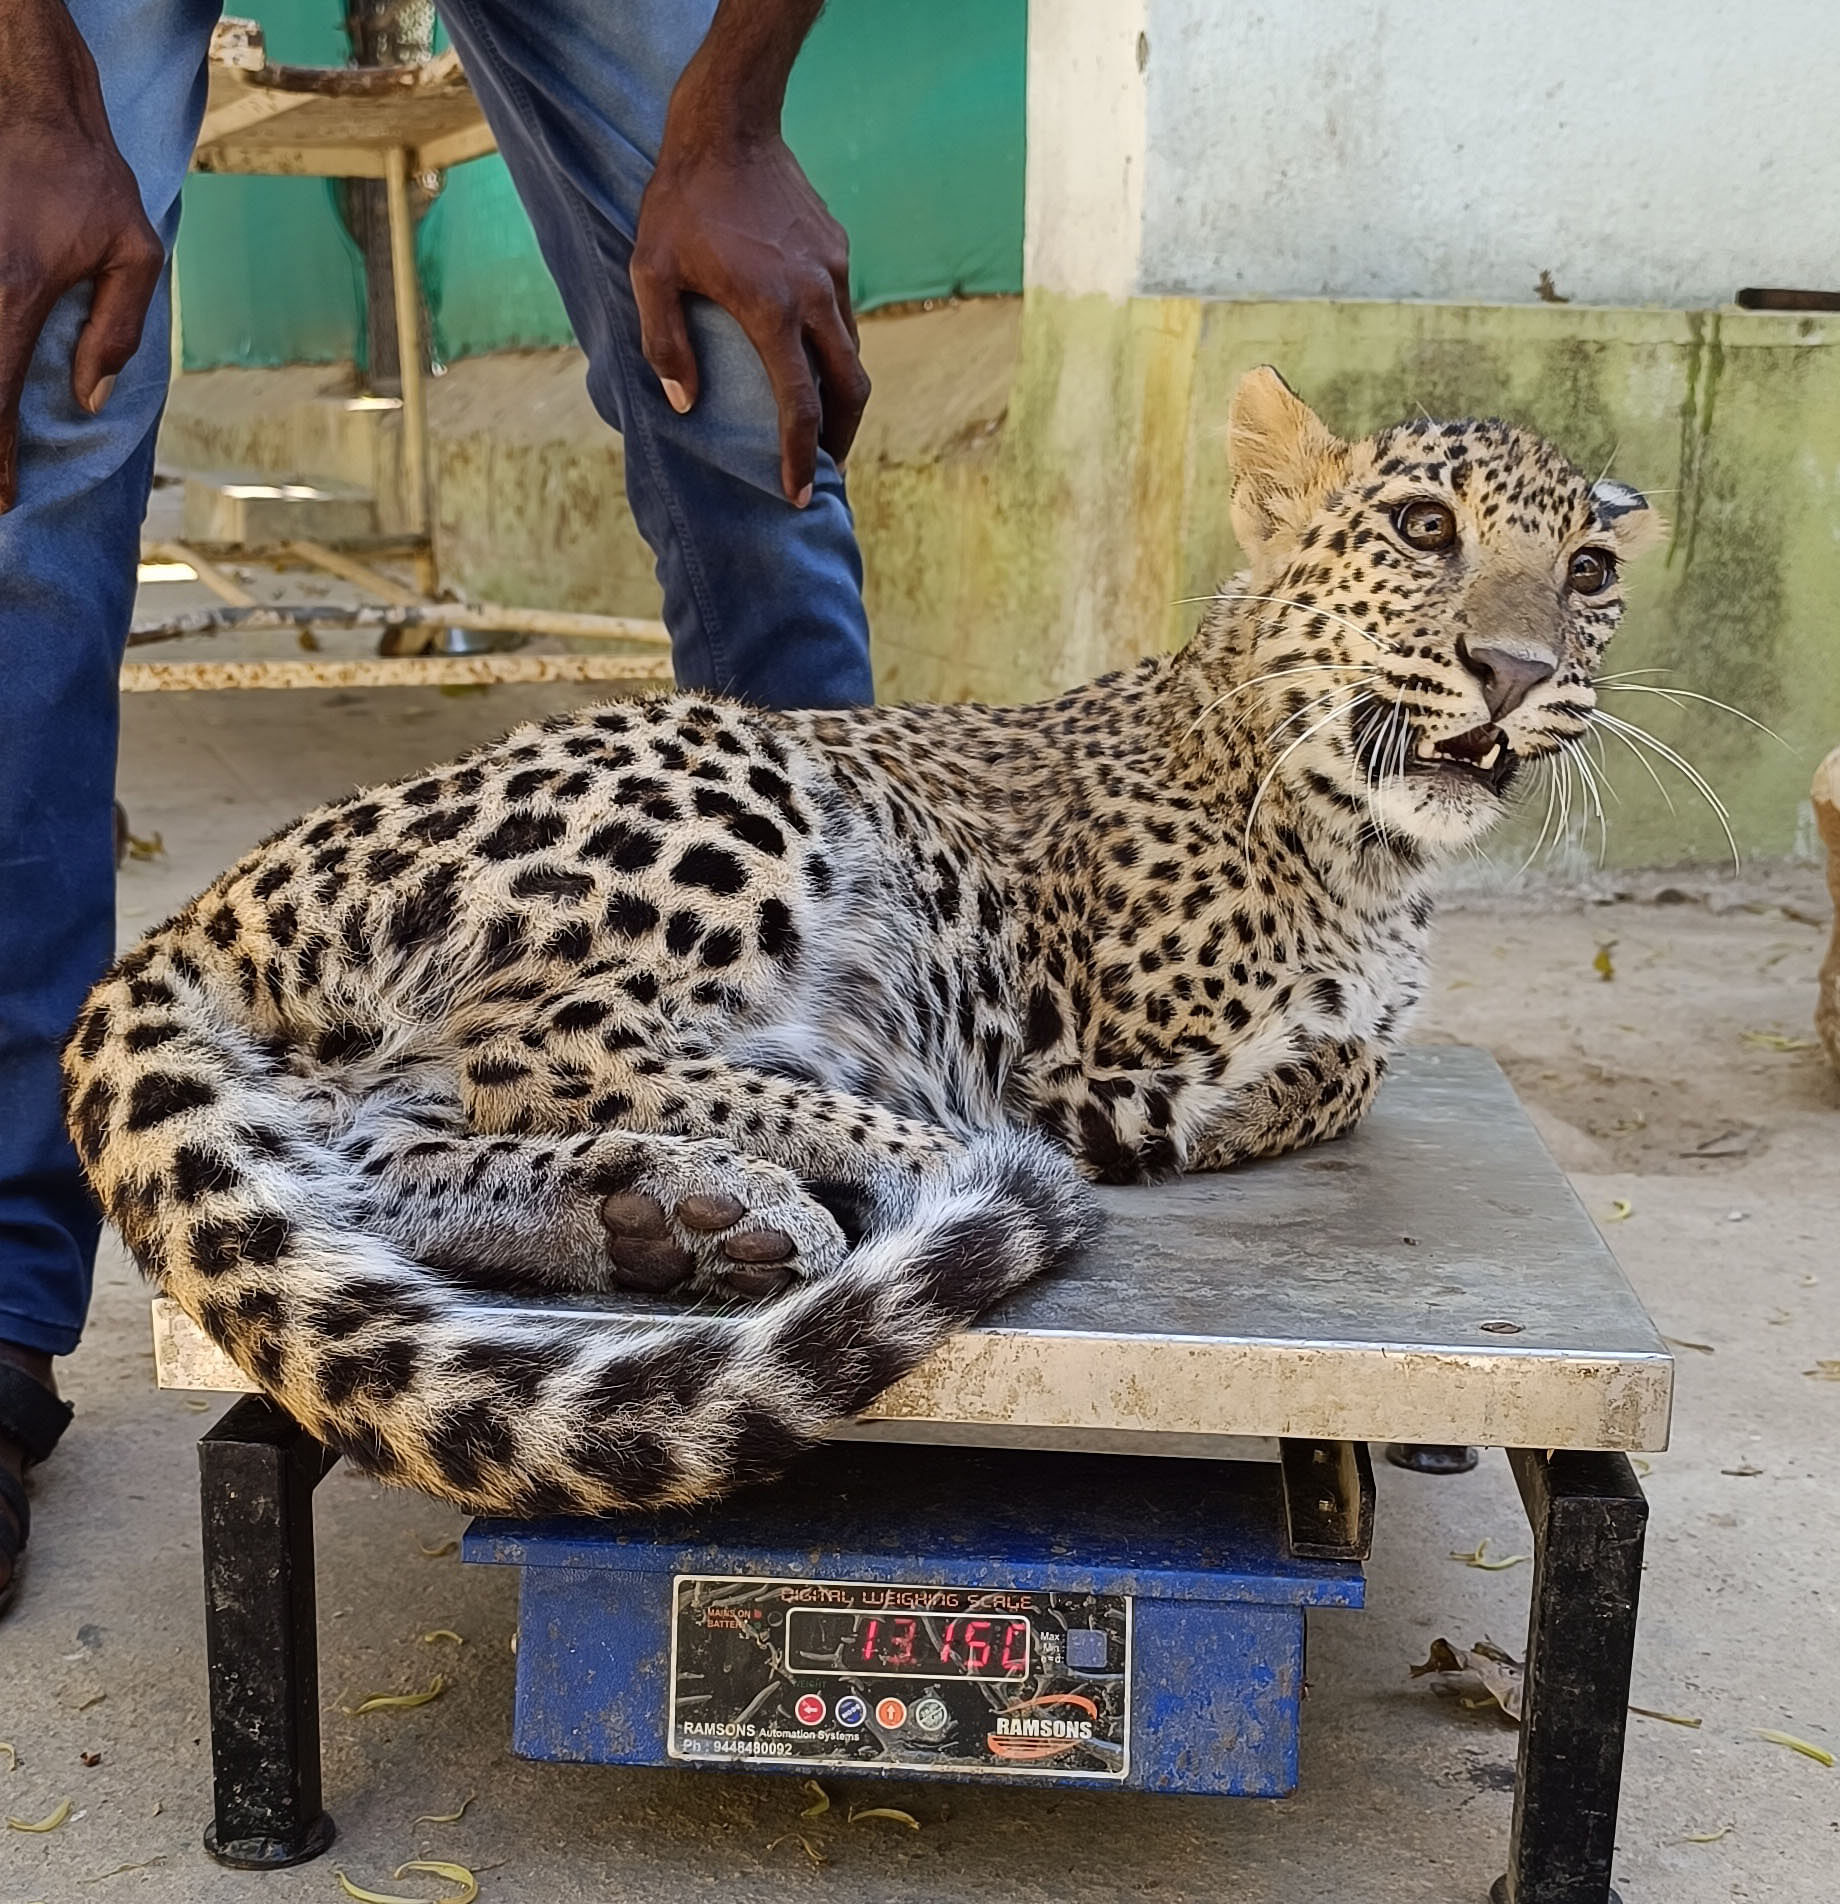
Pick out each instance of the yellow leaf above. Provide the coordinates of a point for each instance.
(804, 1843)
(440, 1550)
(399, 1701)
(453, 1873)
(373, 1897)
(447, 1817)
(1776, 1041)
(443, 1633)
(820, 1800)
(12, 1757)
(1479, 1557)
(1708, 1837)
(885, 1811)
(1603, 965)
(1825, 1370)
(1819, 1753)
(52, 1820)
(1670, 1718)
(1621, 1210)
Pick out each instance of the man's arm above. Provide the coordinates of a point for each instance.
(729, 215)
(70, 213)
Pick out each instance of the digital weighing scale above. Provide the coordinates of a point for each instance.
(1044, 1558)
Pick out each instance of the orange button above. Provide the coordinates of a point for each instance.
(891, 1715)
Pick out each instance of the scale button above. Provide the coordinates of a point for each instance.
(810, 1709)
(891, 1715)
(1088, 1649)
(851, 1711)
(930, 1715)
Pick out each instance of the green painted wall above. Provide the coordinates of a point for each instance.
(909, 120)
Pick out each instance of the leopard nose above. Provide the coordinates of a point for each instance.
(1506, 675)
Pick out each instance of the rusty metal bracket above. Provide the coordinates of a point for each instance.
(1328, 1499)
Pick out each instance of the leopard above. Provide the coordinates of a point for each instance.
(793, 1041)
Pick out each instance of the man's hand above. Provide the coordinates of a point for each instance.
(730, 216)
(70, 212)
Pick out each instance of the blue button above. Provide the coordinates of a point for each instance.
(851, 1711)
(1088, 1649)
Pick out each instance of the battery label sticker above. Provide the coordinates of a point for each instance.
(948, 1679)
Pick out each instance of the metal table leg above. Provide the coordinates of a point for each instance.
(257, 1473)
(1588, 1515)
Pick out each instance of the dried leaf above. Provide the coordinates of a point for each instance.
(857, 1814)
(1642, 1468)
(1827, 1369)
(1708, 1837)
(146, 1864)
(399, 1701)
(440, 1550)
(443, 1633)
(52, 1820)
(1498, 1673)
(820, 1800)
(1744, 1472)
(804, 1843)
(12, 1757)
(447, 1817)
(373, 1897)
(453, 1873)
(1603, 965)
(1669, 1718)
(1479, 1557)
(1698, 1348)
(1819, 1753)
(1776, 1041)
(1621, 1210)
(145, 849)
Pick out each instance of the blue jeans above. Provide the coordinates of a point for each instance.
(763, 601)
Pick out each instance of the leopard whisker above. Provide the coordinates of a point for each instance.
(1335, 713)
(1551, 764)
(1641, 735)
(1280, 674)
(1687, 694)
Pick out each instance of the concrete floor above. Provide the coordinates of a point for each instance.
(1405, 1794)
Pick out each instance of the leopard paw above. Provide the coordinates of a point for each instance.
(710, 1218)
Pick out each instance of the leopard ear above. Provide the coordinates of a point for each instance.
(1625, 512)
(1285, 460)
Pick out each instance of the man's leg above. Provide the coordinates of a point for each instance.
(67, 555)
(763, 600)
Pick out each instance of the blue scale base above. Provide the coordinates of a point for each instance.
(931, 1612)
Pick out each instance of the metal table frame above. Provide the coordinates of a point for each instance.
(258, 1469)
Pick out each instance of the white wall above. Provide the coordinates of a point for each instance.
(1657, 151)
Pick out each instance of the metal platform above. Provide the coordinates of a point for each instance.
(1431, 1278)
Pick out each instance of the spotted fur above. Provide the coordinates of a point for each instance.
(862, 996)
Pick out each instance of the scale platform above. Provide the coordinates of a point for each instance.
(1432, 1278)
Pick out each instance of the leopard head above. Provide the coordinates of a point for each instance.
(1425, 612)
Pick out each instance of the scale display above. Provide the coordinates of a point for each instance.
(853, 1675)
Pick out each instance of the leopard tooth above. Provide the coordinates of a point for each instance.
(1427, 749)
(1489, 759)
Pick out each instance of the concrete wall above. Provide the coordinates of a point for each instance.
(1659, 151)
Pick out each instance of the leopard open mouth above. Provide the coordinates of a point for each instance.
(1480, 754)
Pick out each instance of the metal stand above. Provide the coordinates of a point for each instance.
(257, 1473)
(1432, 1457)
(1588, 1516)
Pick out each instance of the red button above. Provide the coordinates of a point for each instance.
(891, 1715)
(810, 1709)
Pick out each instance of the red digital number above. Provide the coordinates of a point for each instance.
(977, 1645)
(902, 1652)
(945, 1645)
(1016, 1630)
(868, 1645)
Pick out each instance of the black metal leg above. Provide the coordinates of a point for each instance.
(257, 1472)
(1432, 1457)
(1588, 1516)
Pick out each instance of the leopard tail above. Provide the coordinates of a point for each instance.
(231, 1201)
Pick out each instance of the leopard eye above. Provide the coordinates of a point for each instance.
(1591, 571)
(1427, 525)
